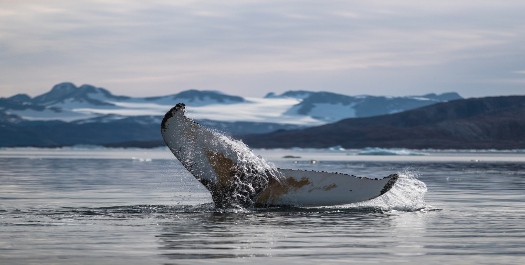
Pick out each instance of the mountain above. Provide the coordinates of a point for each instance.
(299, 94)
(59, 133)
(330, 107)
(67, 102)
(87, 114)
(68, 92)
(479, 123)
(199, 98)
(98, 131)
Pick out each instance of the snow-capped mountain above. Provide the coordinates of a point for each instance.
(64, 93)
(298, 94)
(197, 98)
(68, 115)
(67, 102)
(331, 107)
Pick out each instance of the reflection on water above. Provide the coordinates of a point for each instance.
(135, 207)
(282, 233)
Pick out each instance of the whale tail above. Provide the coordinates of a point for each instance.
(227, 168)
(236, 177)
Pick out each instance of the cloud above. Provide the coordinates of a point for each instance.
(244, 47)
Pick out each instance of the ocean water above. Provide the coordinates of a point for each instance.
(134, 206)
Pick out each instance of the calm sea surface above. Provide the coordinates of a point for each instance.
(132, 206)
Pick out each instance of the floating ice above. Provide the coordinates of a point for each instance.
(389, 151)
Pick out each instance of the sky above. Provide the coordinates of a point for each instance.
(249, 48)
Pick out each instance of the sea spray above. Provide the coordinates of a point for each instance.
(250, 175)
(246, 159)
(408, 194)
(227, 168)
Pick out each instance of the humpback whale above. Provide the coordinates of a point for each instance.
(236, 177)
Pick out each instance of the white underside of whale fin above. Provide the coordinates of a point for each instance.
(314, 188)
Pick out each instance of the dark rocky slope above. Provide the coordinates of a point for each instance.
(477, 123)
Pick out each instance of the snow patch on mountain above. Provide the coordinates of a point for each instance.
(132, 107)
(52, 114)
(101, 119)
(327, 112)
(69, 103)
(254, 110)
(297, 94)
(72, 104)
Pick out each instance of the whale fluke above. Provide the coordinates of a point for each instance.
(236, 177)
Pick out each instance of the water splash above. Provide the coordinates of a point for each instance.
(247, 159)
(408, 194)
(250, 176)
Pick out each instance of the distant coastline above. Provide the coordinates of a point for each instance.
(69, 115)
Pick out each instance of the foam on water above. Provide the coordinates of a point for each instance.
(247, 159)
(390, 151)
(408, 194)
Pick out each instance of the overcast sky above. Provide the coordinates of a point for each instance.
(250, 48)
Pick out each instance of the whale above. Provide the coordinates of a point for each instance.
(236, 177)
